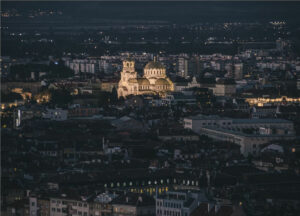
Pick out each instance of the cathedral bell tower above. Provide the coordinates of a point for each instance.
(128, 74)
(128, 71)
(128, 66)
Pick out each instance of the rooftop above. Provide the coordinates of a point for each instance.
(238, 133)
(134, 199)
(154, 65)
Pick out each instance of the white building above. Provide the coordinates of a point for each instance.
(56, 114)
(83, 65)
(178, 97)
(33, 206)
(64, 206)
(182, 67)
(238, 71)
(179, 203)
(224, 88)
(248, 133)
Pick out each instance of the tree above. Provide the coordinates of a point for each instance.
(61, 97)
(114, 96)
(104, 98)
(53, 70)
(10, 97)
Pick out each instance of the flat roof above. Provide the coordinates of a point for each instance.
(238, 121)
(207, 117)
(261, 121)
(238, 133)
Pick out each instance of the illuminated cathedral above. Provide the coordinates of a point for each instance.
(154, 80)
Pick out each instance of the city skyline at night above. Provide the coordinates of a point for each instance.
(150, 108)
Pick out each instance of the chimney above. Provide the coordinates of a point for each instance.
(127, 199)
(140, 199)
(208, 207)
(27, 193)
(217, 207)
(208, 178)
(103, 144)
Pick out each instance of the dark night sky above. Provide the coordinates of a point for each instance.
(173, 11)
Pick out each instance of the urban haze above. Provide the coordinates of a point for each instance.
(149, 108)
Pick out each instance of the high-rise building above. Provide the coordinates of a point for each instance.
(281, 44)
(194, 66)
(228, 68)
(183, 67)
(298, 83)
(238, 71)
(83, 65)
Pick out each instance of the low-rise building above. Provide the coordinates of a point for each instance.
(224, 88)
(248, 133)
(66, 205)
(39, 205)
(55, 114)
(178, 135)
(250, 143)
(177, 98)
(133, 204)
(179, 203)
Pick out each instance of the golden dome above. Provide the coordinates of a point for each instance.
(162, 81)
(154, 65)
(133, 80)
(143, 81)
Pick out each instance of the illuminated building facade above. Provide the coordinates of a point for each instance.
(154, 80)
(260, 101)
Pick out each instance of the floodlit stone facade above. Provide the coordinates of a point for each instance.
(154, 80)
